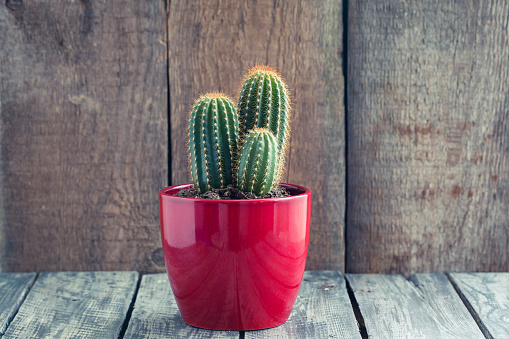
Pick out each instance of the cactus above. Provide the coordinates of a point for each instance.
(262, 126)
(258, 166)
(213, 139)
(264, 103)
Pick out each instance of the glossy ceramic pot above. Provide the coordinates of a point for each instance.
(235, 264)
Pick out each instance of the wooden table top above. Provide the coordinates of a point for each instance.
(127, 305)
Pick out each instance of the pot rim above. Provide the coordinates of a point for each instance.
(164, 192)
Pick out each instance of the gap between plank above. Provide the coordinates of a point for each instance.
(242, 334)
(168, 107)
(470, 309)
(356, 310)
(130, 311)
(23, 298)
(345, 95)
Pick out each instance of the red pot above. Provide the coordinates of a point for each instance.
(235, 264)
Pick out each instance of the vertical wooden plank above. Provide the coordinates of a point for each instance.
(155, 314)
(75, 305)
(213, 43)
(322, 310)
(83, 118)
(393, 307)
(13, 289)
(487, 297)
(428, 157)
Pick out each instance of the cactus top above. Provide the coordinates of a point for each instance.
(263, 69)
(211, 95)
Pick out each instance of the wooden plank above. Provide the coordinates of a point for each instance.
(13, 289)
(83, 134)
(75, 305)
(428, 160)
(155, 314)
(393, 307)
(322, 310)
(213, 43)
(450, 311)
(487, 297)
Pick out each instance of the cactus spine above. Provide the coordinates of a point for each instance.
(213, 139)
(258, 166)
(264, 103)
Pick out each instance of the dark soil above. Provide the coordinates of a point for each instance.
(231, 192)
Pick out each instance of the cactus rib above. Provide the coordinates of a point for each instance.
(258, 166)
(264, 103)
(213, 139)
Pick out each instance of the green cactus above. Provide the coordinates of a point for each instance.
(264, 103)
(262, 126)
(258, 166)
(213, 139)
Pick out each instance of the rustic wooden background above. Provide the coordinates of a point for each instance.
(413, 176)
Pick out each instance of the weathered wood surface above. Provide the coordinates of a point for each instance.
(83, 134)
(213, 43)
(428, 146)
(96, 304)
(322, 310)
(75, 305)
(13, 289)
(155, 314)
(393, 307)
(450, 310)
(487, 296)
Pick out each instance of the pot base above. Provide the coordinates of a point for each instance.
(215, 328)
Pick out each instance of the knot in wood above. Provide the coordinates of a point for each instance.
(13, 5)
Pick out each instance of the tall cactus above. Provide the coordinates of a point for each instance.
(213, 139)
(264, 103)
(258, 167)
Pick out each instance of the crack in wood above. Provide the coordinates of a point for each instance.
(470, 309)
(356, 310)
(125, 325)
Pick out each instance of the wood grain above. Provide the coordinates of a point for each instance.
(487, 297)
(439, 293)
(428, 145)
(322, 310)
(213, 43)
(156, 315)
(75, 305)
(13, 289)
(83, 123)
(393, 307)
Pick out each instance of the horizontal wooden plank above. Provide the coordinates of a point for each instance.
(393, 307)
(75, 305)
(487, 297)
(322, 310)
(13, 289)
(155, 314)
(439, 293)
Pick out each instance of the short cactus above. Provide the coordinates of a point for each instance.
(264, 103)
(213, 139)
(258, 165)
